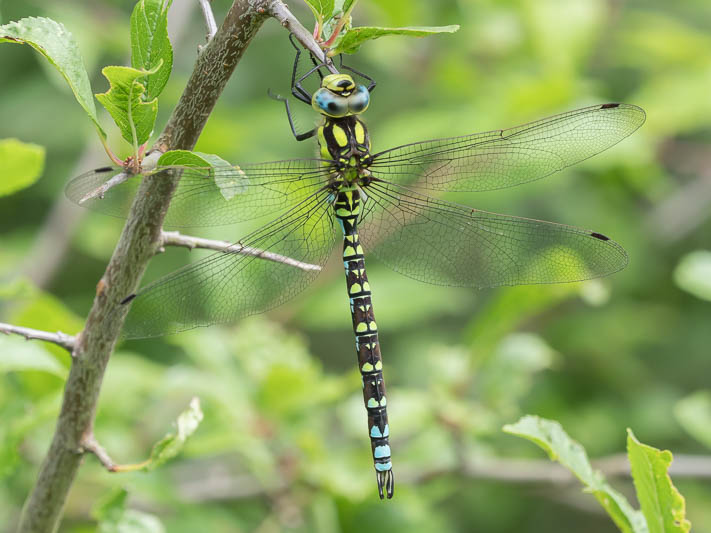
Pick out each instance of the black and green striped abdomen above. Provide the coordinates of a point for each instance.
(347, 209)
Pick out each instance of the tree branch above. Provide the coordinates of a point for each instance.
(174, 238)
(91, 445)
(136, 246)
(209, 18)
(58, 338)
(279, 11)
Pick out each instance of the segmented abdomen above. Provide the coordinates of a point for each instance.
(347, 207)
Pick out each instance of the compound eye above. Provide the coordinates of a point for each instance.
(359, 100)
(329, 104)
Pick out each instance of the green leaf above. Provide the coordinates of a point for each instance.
(124, 101)
(322, 9)
(662, 504)
(550, 436)
(113, 516)
(54, 42)
(19, 355)
(350, 42)
(150, 46)
(21, 165)
(172, 444)
(340, 18)
(229, 179)
(347, 5)
(184, 158)
(693, 274)
(694, 415)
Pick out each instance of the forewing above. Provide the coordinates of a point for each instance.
(448, 244)
(208, 196)
(225, 286)
(505, 158)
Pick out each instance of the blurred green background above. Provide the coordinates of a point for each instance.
(283, 446)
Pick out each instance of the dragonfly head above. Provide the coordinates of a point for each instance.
(339, 96)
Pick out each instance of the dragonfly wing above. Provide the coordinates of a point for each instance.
(505, 158)
(448, 244)
(225, 286)
(211, 196)
(93, 191)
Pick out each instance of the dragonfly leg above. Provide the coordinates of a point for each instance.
(372, 83)
(296, 89)
(299, 136)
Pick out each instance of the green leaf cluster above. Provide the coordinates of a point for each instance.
(662, 506)
(132, 97)
(333, 19)
(132, 100)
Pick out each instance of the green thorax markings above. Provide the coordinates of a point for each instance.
(344, 140)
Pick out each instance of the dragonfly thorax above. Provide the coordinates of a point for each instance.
(345, 142)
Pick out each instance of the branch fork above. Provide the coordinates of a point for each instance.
(90, 445)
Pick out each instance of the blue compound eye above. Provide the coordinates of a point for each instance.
(359, 100)
(329, 104)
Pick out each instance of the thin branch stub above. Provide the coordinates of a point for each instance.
(60, 339)
(174, 238)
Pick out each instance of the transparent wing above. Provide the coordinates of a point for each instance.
(223, 286)
(207, 196)
(448, 244)
(505, 158)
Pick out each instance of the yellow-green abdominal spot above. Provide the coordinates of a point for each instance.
(373, 403)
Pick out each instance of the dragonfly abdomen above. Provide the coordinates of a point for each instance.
(370, 363)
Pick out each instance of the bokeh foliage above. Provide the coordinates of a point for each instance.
(283, 444)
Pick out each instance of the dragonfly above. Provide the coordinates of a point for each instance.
(381, 202)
